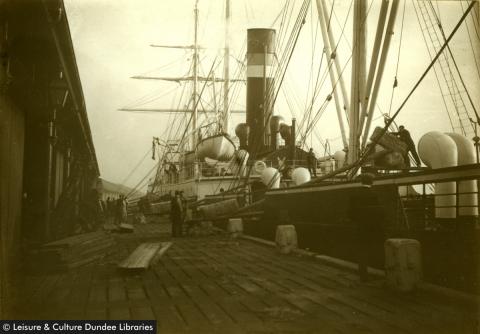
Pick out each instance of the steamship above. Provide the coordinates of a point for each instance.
(437, 204)
(265, 167)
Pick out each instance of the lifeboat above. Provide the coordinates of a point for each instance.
(218, 147)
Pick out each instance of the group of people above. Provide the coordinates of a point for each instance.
(178, 211)
(116, 209)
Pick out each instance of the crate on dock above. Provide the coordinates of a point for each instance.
(235, 227)
(286, 238)
(403, 265)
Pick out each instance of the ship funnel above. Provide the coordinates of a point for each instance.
(242, 131)
(275, 122)
(437, 150)
(260, 84)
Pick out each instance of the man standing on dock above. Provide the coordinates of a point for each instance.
(367, 214)
(312, 163)
(122, 214)
(176, 214)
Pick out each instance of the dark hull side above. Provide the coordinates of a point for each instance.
(450, 256)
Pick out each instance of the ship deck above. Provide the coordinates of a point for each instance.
(215, 284)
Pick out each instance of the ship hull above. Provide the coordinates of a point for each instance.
(319, 213)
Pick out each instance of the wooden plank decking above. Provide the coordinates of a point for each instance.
(217, 285)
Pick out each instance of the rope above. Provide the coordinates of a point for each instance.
(455, 64)
(471, 46)
(395, 82)
(330, 15)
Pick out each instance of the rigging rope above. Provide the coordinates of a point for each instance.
(471, 45)
(395, 81)
(455, 63)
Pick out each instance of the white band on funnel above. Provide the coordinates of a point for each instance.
(258, 71)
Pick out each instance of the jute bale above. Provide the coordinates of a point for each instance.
(286, 238)
(218, 209)
(235, 227)
(389, 141)
(403, 265)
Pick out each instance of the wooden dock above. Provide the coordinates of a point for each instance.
(213, 284)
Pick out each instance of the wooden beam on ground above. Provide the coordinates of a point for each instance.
(126, 228)
(144, 255)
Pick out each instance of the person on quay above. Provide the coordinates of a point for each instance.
(185, 213)
(312, 163)
(122, 210)
(176, 214)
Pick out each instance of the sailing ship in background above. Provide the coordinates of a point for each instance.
(199, 161)
(437, 204)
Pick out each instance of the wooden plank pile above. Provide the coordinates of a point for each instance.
(144, 255)
(71, 252)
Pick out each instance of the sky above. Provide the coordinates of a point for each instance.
(112, 41)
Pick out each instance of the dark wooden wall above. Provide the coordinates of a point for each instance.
(12, 131)
(47, 159)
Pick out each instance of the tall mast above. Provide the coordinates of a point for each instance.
(358, 77)
(226, 68)
(195, 79)
(333, 80)
(381, 66)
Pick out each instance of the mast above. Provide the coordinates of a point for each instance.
(381, 67)
(226, 68)
(377, 46)
(195, 79)
(358, 77)
(328, 53)
(333, 55)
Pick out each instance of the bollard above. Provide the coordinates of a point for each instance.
(235, 227)
(403, 265)
(286, 238)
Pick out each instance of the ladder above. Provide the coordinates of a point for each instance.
(445, 71)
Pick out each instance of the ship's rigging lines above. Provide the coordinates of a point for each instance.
(187, 78)
(446, 69)
(307, 124)
(175, 111)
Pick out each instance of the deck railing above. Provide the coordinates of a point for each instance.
(201, 170)
(422, 210)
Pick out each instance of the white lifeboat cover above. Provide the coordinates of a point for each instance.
(271, 178)
(217, 147)
(300, 176)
